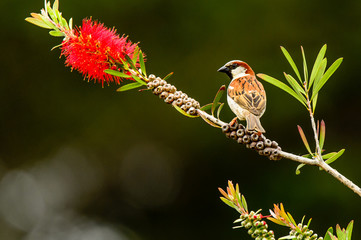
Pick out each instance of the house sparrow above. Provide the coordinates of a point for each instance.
(245, 94)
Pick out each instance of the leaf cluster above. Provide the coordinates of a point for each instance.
(51, 18)
(216, 105)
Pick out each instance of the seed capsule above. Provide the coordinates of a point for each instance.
(225, 128)
(233, 135)
(158, 90)
(260, 152)
(189, 104)
(155, 83)
(240, 132)
(260, 145)
(192, 111)
(177, 94)
(184, 107)
(267, 143)
(178, 102)
(150, 85)
(170, 98)
(267, 151)
(167, 87)
(163, 95)
(252, 145)
(162, 82)
(274, 144)
(240, 140)
(234, 126)
(151, 77)
(254, 137)
(246, 139)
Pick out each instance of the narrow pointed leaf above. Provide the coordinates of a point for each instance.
(298, 169)
(71, 23)
(340, 233)
(223, 192)
(296, 87)
(183, 112)
(327, 235)
(349, 230)
(322, 134)
(168, 76)
(64, 23)
(291, 62)
(244, 203)
(316, 65)
(335, 157)
(229, 203)
(304, 139)
(117, 73)
(326, 76)
(281, 85)
(38, 22)
(206, 107)
(319, 75)
(56, 5)
(51, 13)
(219, 110)
(217, 98)
(309, 222)
(291, 219)
(305, 70)
(129, 86)
(135, 55)
(35, 15)
(328, 155)
(142, 63)
(139, 80)
(130, 62)
(287, 237)
(56, 33)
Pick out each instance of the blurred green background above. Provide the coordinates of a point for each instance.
(78, 161)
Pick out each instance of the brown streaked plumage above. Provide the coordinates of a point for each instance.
(245, 94)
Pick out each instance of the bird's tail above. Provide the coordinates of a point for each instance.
(254, 124)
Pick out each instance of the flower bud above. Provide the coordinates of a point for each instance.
(240, 140)
(248, 225)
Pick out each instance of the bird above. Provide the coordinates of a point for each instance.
(245, 95)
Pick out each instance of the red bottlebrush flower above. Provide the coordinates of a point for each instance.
(93, 48)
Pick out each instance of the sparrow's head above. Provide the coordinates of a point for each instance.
(236, 68)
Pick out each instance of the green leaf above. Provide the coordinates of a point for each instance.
(38, 22)
(298, 171)
(327, 235)
(206, 107)
(229, 203)
(244, 203)
(56, 5)
(322, 134)
(51, 13)
(280, 85)
(56, 33)
(168, 76)
(129, 86)
(316, 65)
(326, 76)
(217, 98)
(291, 62)
(304, 139)
(319, 75)
(139, 80)
(328, 155)
(305, 70)
(298, 89)
(130, 62)
(340, 234)
(335, 157)
(287, 237)
(135, 55)
(142, 63)
(349, 230)
(291, 219)
(219, 110)
(64, 23)
(183, 112)
(117, 73)
(309, 222)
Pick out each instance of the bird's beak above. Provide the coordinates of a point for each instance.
(223, 69)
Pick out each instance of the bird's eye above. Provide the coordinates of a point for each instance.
(234, 65)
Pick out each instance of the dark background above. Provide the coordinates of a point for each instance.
(78, 161)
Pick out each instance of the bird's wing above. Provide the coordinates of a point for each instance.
(249, 93)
